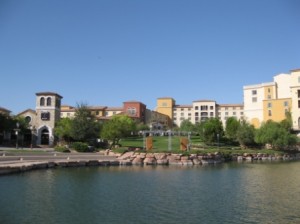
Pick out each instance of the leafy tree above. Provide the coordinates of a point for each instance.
(63, 129)
(84, 126)
(141, 127)
(275, 134)
(187, 126)
(245, 134)
(6, 123)
(287, 123)
(211, 129)
(116, 128)
(232, 126)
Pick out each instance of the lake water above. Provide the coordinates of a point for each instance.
(226, 193)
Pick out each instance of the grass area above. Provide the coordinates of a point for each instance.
(160, 144)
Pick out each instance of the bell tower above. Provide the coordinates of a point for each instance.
(47, 113)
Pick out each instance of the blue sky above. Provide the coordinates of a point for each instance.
(105, 52)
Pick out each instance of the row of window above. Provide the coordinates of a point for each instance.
(211, 108)
(44, 101)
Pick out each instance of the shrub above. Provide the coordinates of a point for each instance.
(80, 147)
(61, 149)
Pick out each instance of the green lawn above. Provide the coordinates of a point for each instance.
(160, 144)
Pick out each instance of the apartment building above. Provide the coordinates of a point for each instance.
(198, 111)
(224, 111)
(272, 100)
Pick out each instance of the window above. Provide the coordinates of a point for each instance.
(226, 108)
(45, 116)
(269, 113)
(97, 113)
(28, 119)
(226, 113)
(42, 101)
(211, 114)
(196, 118)
(211, 107)
(204, 114)
(298, 93)
(196, 108)
(254, 92)
(242, 113)
(131, 111)
(269, 97)
(189, 114)
(182, 118)
(49, 101)
(189, 109)
(269, 105)
(189, 118)
(234, 113)
(174, 114)
(298, 103)
(286, 103)
(181, 114)
(254, 99)
(269, 90)
(196, 114)
(181, 109)
(204, 107)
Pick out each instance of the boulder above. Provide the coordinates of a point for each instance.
(150, 161)
(162, 162)
(137, 161)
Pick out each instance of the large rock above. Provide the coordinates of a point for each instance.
(162, 162)
(137, 161)
(126, 155)
(150, 161)
(196, 161)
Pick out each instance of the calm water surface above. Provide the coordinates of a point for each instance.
(228, 193)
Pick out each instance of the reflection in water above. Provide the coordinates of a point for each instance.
(228, 193)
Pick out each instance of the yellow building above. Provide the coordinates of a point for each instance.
(276, 109)
(271, 101)
(165, 106)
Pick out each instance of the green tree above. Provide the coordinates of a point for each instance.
(63, 129)
(287, 123)
(84, 125)
(118, 127)
(274, 134)
(187, 126)
(232, 126)
(6, 123)
(212, 128)
(245, 134)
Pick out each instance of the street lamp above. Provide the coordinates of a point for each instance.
(17, 134)
(218, 137)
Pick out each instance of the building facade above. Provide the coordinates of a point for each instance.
(198, 111)
(271, 101)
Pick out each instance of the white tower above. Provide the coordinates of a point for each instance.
(47, 113)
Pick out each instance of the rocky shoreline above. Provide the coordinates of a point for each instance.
(145, 159)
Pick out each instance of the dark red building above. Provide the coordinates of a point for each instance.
(135, 110)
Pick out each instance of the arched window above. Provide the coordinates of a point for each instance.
(49, 101)
(42, 101)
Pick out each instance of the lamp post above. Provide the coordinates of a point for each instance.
(17, 134)
(218, 138)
